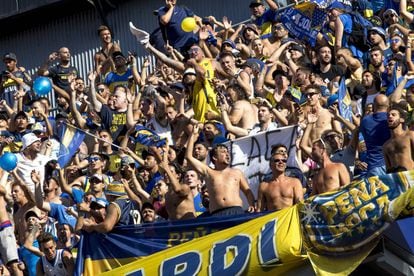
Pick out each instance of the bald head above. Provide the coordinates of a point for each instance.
(381, 103)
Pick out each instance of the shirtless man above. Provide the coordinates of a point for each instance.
(223, 183)
(8, 249)
(179, 199)
(281, 191)
(399, 149)
(325, 118)
(242, 113)
(103, 58)
(331, 176)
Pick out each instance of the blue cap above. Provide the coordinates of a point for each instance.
(332, 99)
(219, 140)
(340, 5)
(230, 42)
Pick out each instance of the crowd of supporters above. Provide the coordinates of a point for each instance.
(349, 97)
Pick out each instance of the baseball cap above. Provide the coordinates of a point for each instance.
(11, 56)
(97, 176)
(189, 71)
(255, 3)
(296, 47)
(32, 213)
(29, 139)
(332, 99)
(178, 85)
(117, 54)
(252, 64)
(126, 160)
(251, 27)
(115, 188)
(379, 31)
(99, 203)
(37, 128)
(390, 11)
(229, 42)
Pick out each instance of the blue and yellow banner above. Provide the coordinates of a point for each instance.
(335, 231)
(70, 139)
(257, 247)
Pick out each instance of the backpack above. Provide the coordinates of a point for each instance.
(359, 34)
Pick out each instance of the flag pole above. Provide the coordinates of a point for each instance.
(90, 134)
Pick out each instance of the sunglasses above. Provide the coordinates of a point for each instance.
(309, 95)
(193, 51)
(330, 136)
(93, 159)
(277, 160)
(389, 15)
(100, 90)
(395, 40)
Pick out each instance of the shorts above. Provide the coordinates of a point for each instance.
(228, 211)
(397, 169)
(8, 247)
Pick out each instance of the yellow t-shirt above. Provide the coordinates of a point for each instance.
(201, 103)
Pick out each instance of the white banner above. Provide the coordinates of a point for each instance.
(251, 154)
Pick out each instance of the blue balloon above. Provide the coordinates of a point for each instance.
(42, 86)
(8, 161)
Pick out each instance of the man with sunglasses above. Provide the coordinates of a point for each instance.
(96, 166)
(323, 119)
(280, 191)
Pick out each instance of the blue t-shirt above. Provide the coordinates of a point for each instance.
(58, 212)
(198, 204)
(265, 23)
(173, 31)
(374, 129)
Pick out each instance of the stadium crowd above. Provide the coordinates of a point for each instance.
(349, 93)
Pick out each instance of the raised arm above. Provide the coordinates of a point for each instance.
(108, 224)
(199, 166)
(97, 105)
(304, 144)
(63, 183)
(132, 196)
(175, 64)
(165, 18)
(180, 190)
(40, 203)
(404, 12)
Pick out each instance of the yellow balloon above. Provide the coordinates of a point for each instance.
(188, 24)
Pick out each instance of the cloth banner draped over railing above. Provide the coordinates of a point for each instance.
(336, 231)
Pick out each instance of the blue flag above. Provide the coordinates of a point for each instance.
(344, 101)
(70, 140)
(148, 137)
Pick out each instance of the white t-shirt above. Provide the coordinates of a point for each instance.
(25, 166)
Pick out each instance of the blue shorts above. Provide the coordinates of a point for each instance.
(228, 211)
